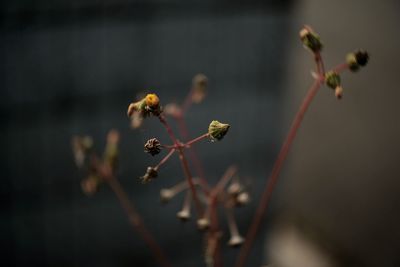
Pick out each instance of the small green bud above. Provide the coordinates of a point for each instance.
(217, 130)
(352, 62)
(310, 39)
(332, 79)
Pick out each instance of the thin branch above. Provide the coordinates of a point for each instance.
(165, 159)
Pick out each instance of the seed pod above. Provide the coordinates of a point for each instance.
(332, 79)
(217, 130)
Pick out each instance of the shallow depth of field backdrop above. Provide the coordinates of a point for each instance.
(72, 67)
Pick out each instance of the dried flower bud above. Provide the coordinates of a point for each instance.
(166, 195)
(90, 185)
(184, 214)
(199, 87)
(235, 240)
(234, 188)
(310, 39)
(339, 92)
(152, 146)
(217, 130)
(332, 79)
(203, 223)
(243, 198)
(150, 174)
(149, 105)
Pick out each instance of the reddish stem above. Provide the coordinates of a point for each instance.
(185, 166)
(341, 67)
(192, 152)
(165, 159)
(195, 140)
(266, 195)
(137, 222)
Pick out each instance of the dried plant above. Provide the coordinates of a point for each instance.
(229, 192)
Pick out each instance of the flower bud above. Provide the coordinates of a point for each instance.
(152, 101)
(332, 79)
(199, 87)
(243, 198)
(217, 130)
(150, 174)
(310, 39)
(339, 92)
(357, 59)
(235, 240)
(203, 223)
(152, 146)
(90, 185)
(166, 195)
(184, 215)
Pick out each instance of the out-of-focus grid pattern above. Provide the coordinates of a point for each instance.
(73, 67)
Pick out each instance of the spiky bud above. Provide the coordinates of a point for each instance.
(217, 130)
(152, 146)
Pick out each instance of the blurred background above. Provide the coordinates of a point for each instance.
(72, 67)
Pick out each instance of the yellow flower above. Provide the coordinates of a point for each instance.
(152, 100)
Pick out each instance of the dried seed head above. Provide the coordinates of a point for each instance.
(217, 130)
(203, 223)
(199, 87)
(184, 214)
(310, 39)
(152, 146)
(150, 174)
(339, 92)
(243, 198)
(90, 185)
(166, 195)
(332, 79)
(235, 240)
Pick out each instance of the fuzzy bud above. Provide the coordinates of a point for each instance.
(150, 174)
(310, 39)
(217, 130)
(332, 79)
(357, 59)
(152, 146)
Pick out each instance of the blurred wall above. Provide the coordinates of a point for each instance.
(72, 67)
(342, 179)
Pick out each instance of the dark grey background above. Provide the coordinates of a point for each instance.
(72, 67)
